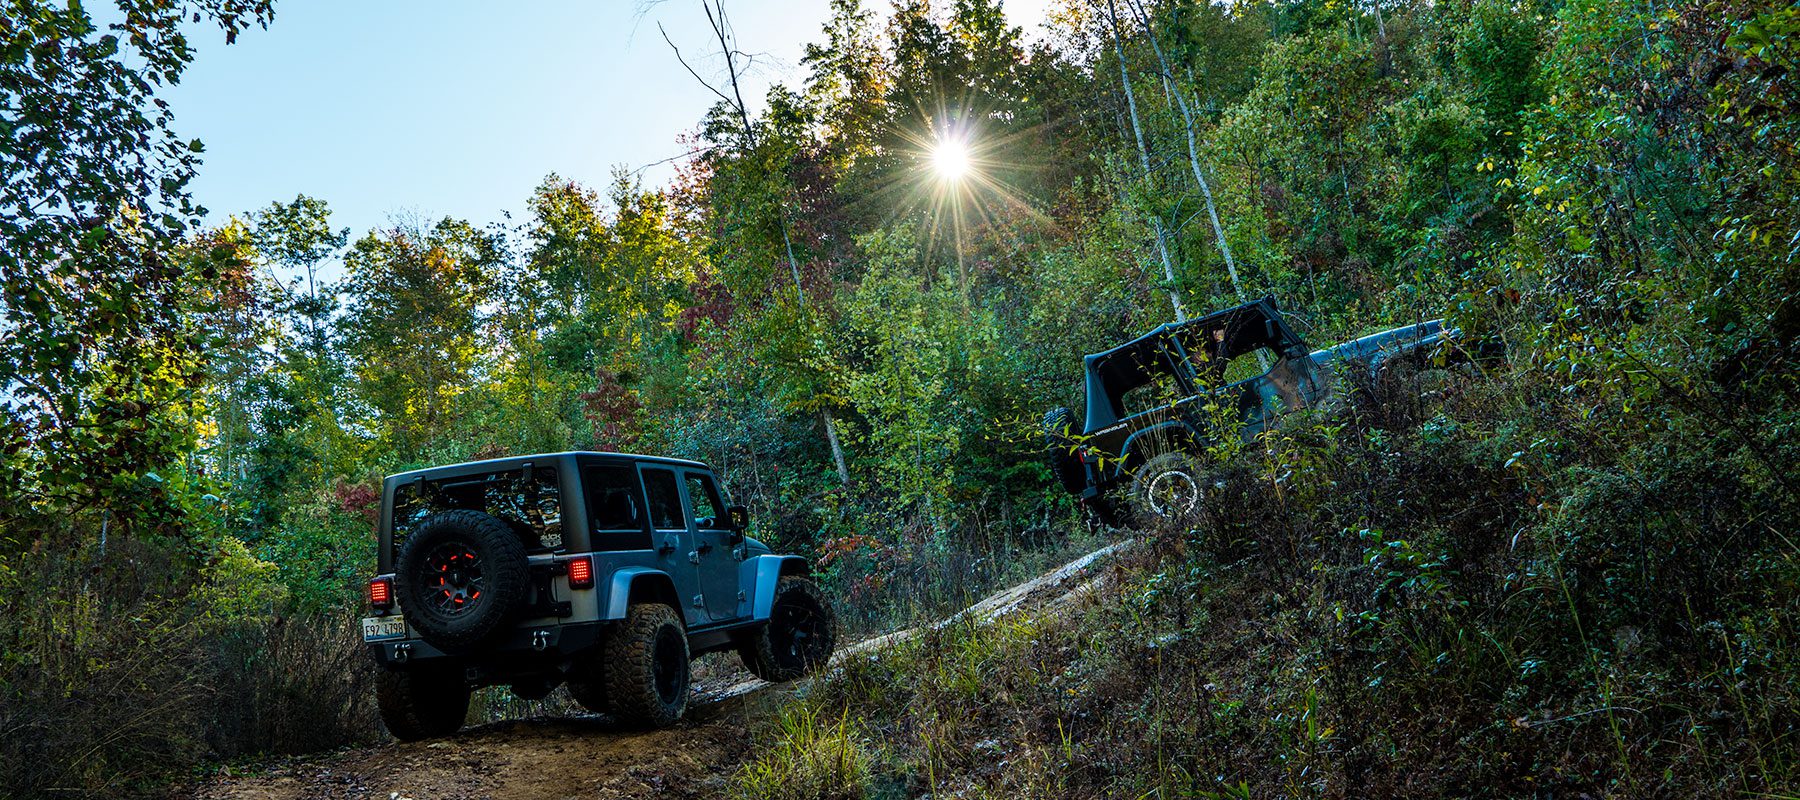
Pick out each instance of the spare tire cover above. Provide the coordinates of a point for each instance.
(462, 577)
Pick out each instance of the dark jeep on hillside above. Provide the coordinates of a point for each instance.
(1154, 402)
(605, 571)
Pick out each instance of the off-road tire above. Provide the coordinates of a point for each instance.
(495, 557)
(421, 703)
(1169, 487)
(646, 660)
(799, 636)
(1059, 447)
(587, 681)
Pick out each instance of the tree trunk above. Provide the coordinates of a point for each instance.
(837, 450)
(1137, 129)
(1187, 119)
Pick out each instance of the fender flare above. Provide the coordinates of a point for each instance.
(1174, 429)
(768, 571)
(618, 594)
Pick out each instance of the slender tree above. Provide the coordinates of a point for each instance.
(720, 24)
(1137, 130)
(1193, 149)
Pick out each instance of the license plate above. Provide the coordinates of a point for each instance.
(380, 629)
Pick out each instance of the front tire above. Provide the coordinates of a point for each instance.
(1167, 488)
(647, 667)
(800, 634)
(421, 703)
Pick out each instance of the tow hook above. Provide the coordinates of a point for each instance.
(402, 652)
(540, 639)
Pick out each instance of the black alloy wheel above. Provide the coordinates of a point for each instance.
(453, 576)
(462, 578)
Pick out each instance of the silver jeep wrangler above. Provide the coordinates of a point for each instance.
(605, 571)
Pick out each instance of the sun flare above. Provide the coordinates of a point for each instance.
(950, 156)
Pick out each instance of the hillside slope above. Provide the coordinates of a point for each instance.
(590, 755)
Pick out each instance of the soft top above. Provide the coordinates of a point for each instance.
(511, 462)
(1162, 351)
(1161, 333)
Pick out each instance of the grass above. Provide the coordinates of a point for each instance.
(815, 756)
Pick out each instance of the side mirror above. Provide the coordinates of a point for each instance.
(737, 518)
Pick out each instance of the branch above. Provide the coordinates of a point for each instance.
(694, 152)
(690, 69)
(720, 27)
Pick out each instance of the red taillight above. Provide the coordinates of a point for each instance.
(581, 573)
(381, 593)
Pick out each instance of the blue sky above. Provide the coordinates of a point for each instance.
(427, 109)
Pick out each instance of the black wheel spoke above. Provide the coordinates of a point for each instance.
(454, 579)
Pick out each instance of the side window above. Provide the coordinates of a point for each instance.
(665, 500)
(615, 507)
(1250, 364)
(705, 497)
(1159, 391)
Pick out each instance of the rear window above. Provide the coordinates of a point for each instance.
(1161, 390)
(1140, 381)
(532, 508)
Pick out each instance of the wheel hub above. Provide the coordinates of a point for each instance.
(668, 666)
(453, 578)
(799, 634)
(1173, 494)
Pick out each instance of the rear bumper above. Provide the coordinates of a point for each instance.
(524, 644)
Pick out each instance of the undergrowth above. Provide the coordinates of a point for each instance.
(1449, 590)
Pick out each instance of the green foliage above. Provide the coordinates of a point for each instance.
(1575, 567)
(413, 326)
(100, 357)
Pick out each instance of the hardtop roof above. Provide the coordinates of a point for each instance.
(509, 462)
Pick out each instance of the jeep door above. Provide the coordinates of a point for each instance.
(715, 548)
(674, 538)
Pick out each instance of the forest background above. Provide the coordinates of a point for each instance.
(196, 425)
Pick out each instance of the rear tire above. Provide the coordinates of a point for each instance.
(421, 703)
(587, 682)
(799, 636)
(647, 667)
(1059, 447)
(1168, 487)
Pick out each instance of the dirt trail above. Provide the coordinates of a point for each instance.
(589, 756)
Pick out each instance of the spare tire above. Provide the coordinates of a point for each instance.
(462, 577)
